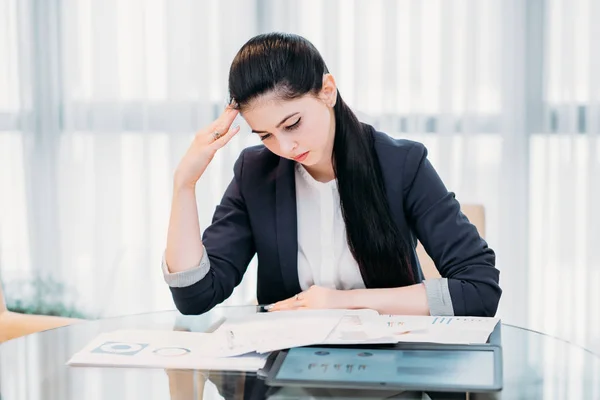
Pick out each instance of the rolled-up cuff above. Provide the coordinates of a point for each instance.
(438, 296)
(189, 277)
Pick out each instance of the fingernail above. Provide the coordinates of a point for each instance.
(270, 306)
(232, 105)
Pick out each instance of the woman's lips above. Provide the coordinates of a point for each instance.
(301, 157)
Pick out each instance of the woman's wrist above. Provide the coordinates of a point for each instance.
(180, 184)
(349, 299)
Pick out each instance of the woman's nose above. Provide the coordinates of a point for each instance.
(288, 145)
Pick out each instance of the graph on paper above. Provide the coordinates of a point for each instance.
(451, 330)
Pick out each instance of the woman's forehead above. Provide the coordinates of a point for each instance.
(272, 100)
(269, 109)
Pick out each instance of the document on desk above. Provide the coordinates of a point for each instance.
(164, 349)
(266, 332)
(365, 327)
(447, 330)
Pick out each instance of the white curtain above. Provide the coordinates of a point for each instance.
(564, 195)
(100, 99)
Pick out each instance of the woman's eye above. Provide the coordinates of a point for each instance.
(264, 137)
(294, 125)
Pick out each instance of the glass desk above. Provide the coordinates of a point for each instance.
(536, 366)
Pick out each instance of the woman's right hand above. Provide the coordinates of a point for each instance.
(203, 148)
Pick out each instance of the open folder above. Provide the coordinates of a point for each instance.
(243, 343)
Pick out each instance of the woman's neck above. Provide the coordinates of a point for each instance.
(321, 173)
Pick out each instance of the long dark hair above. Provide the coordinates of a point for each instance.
(291, 67)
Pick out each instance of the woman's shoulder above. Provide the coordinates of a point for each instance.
(400, 159)
(397, 150)
(385, 140)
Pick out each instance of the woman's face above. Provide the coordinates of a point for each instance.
(301, 129)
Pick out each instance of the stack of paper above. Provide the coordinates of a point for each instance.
(243, 343)
(266, 332)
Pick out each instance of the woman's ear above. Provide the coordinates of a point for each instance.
(328, 92)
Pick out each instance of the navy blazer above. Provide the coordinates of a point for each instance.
(257, 215)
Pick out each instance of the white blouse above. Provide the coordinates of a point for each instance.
(324, 258)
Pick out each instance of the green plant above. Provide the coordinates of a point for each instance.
(42, 295)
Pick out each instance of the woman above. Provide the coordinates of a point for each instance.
(332, 208)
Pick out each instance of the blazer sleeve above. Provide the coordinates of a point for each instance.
(453, 243)
(229, 244)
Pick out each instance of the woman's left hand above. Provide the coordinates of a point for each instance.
(316, 297)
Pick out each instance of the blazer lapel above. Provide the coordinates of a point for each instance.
(287, 224)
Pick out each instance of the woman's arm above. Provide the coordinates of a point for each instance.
(469, 283)
(409, 300)
(228, 249)
(184, 244)
(203, 271)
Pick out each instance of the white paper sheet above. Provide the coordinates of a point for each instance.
(446, 330)
(362, 327)
(266, 332)
(164, 349)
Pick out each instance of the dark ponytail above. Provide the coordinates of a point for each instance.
(292, 67)
(373, 237)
